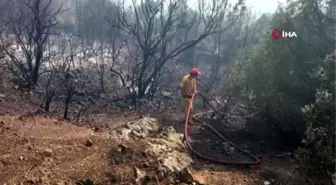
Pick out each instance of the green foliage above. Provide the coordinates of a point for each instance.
(280, 76)
(318, 151)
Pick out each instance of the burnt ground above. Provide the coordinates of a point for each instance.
(274, 166)
(27, 139)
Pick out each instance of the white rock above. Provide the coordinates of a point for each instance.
(267, 183)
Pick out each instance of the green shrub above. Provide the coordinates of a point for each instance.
(317, 153)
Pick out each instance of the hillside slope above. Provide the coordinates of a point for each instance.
(42, 150)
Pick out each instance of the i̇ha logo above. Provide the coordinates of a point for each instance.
(278, 33)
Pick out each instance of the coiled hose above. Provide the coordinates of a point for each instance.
(186, 136)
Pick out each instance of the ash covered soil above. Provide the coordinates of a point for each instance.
(208, 144)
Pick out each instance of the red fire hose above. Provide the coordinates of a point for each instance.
(186, 136)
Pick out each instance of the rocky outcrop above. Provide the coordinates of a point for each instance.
(139, 128)
(169, 150)
(163, 144)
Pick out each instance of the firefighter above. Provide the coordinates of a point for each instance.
(187, 88)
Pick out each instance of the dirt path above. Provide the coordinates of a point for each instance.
(43, 150)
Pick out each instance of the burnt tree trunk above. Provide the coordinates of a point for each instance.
(68, 99)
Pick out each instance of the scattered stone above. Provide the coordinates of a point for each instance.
(226, 146)
(88, 143)
(124, 133)
(168, 130)
(60, 183)
(30, 147)
(267, 183)
(166, 94)
(21, 158)
(198, 179)
(232, 150)
(96, 129)
(47, 152)
(34, 180)
(122, 148)
(8, 127)
(185, 176)
(85, 182)
(284, 155)
(141, 176)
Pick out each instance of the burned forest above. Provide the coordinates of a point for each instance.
(92, 92)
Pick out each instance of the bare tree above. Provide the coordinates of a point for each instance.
(65, 80)
(224, 48)
(72, 77)
(154, 24)
(31, 22)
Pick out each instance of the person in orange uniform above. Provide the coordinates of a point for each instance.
(186, 88)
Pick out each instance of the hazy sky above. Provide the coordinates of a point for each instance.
(259, 6)
(264, 6)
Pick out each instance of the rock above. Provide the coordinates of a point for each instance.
(2, 123)
(198, 179)
(139, 128)
(141, 176)
(284, 155)
(138, 134)
(170, 152)
(168, 130)
(2, 95)
(47, 152)
(142, 127)
(122, 148)
(304, 141)
(96, 129)
(88, 143)
(226, 146)
(6, 159)
(124, 133)
(185, 176)
(85, 182)
(8, 127)
(166, 94)
(60, 183)
(30, 147)
(267, 183)
(21, 158)
(176, 161)
(16, 134)
(232, 150)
